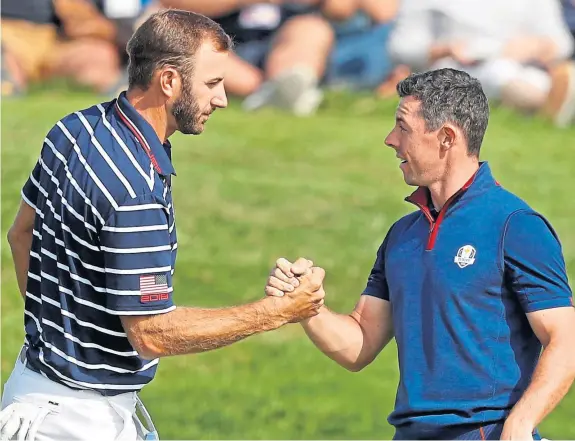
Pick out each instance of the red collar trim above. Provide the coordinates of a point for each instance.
(422, 198)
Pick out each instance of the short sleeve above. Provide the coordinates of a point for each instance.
(30, 190)
(377, 282)
(137, 250)
(534, 264)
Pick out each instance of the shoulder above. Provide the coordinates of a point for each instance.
(396, 230)
(76, 128)
(92, 113)
(518, 215)
(526, 226)
(517, 211)
(504, 200)
(98, 154)
(404, 223)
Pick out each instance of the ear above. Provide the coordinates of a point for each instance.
(170, 81)
(447, 137)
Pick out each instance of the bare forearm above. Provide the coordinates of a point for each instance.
(209, 8)
(193, 330)
(20, 245)
(552, 379)
(338, 336)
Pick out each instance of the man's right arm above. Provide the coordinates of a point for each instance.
(192, 330)
(353, 341)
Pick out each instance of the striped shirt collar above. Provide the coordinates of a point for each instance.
(146, 136)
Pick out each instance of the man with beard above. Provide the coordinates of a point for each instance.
(94, 247)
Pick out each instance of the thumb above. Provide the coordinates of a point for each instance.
(301, 266)
(317, 275)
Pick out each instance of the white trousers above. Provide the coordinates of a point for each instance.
(36, 408)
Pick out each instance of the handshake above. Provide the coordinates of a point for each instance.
(296, 289)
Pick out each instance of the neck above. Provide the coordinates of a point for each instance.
(453, 180)
(152, 110)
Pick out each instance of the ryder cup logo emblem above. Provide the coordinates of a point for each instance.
(465, 256)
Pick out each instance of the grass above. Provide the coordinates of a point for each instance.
(254, 188)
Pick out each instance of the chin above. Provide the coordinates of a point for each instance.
(413, 182)
(408, 179)
(194, 130)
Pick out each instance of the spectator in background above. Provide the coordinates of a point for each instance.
(43, 39)
(360, 58)
(569, 15)
(518, 49)
(281, 52)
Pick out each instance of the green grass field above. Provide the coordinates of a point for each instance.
(254, 188)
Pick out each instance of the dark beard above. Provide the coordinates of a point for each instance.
(187, 113)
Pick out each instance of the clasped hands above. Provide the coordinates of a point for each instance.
(296, 289)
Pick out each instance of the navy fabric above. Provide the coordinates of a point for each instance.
(473, 432)
(35, 11)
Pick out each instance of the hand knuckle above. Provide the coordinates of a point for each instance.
(277, 283)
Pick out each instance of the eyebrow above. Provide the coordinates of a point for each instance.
(400, 119)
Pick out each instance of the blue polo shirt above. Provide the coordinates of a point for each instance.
(104, 246)
(460, 284)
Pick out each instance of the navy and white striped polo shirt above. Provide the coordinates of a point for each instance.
(104, 246)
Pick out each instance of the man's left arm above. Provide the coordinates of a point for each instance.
(21, 233)
(536, 269)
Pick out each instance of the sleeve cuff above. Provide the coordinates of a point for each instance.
(559, 302)
(151, 311)
(374, 293)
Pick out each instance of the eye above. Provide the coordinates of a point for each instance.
(214, 83)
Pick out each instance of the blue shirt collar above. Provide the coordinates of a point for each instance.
(146, 135)
(481, 181)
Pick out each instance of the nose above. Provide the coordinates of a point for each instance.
(220, 100)
(390, 140)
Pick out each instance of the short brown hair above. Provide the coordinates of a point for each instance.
(170, 37)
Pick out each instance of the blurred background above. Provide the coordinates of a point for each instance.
(296, 166)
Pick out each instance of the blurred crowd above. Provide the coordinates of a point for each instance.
(288, 52)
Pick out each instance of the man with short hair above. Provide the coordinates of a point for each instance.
(94, 246)
(472, 285)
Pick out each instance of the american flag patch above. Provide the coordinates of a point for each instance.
(153, 288)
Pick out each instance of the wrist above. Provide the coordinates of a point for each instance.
(271, 308)
(306, 323)
(523, 422)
